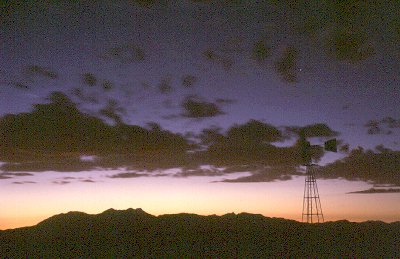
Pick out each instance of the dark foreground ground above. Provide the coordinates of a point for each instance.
(134, 233)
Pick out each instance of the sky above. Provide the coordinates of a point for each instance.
(196, 106)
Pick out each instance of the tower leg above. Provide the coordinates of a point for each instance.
(312, 210)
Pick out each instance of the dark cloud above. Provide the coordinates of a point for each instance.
(144, 3)
(383, 126)
(382, 149)
(89, 79)
(128, 175)
(190, 172)
(189, 80)
(45, 162)
(56, 135)
(382, 167)
(286, 65)
(195, 107)
(349, 45)
(88, 181)
(313, 130)
(107, 85)
(69, 178)
(211, 136)
(165, 86)
(4, 176)
(125, 53)
(91, 98)
(61, 182)
(214, 56)
(254, 131)
(261, 51)
(36, 70)
(113, 111)
(20, 85)
(373, 127)
(385, 185)
(249, 144)
(17, 174)
(344, 148)
(24, 182)
(374, 190)
(224, 101)
(391, 122)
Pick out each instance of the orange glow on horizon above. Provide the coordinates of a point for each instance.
(34, 203)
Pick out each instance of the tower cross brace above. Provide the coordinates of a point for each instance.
(312, 210)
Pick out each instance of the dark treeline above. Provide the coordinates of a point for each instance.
(134, 233)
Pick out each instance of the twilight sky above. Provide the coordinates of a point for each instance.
(195, 106)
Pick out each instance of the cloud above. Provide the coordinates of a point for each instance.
(382, 167)
(88, 181)
(165, 86)
(9, 175)
(349, 45)
(391, 122)
(44, 162)
(57, 136)
(253, 132)
(128, 175)
(89, 79)
(107, 85)
(127, 53)
(4, 176)
(144, 3)
(211, 136)
(20, 85)
(266, 174)
(248, 144)
(113, 111)
(189, 80)
(261, 51)
(200, 171)
(383, 126)
(85, 97)
(374, 190)
(313, 130)
(195, 107)
(24, 182)
(61, 182)
(213, 56)
(344, 148)
(286, 65)
(224, 101)
(36, 70)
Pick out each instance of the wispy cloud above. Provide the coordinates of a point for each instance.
(24, 182)
(374, 191)
(128, 175)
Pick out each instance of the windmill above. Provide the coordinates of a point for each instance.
(312, 210)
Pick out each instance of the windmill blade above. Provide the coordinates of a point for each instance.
(331, 145)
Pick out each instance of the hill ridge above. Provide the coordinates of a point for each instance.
(135, 233)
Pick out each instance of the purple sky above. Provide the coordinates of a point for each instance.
(193, 65)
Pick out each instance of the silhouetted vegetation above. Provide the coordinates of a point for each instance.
(134, 233)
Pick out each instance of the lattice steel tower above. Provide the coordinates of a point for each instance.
(312, 210)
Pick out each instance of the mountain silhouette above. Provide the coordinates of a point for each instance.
(135, 233)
